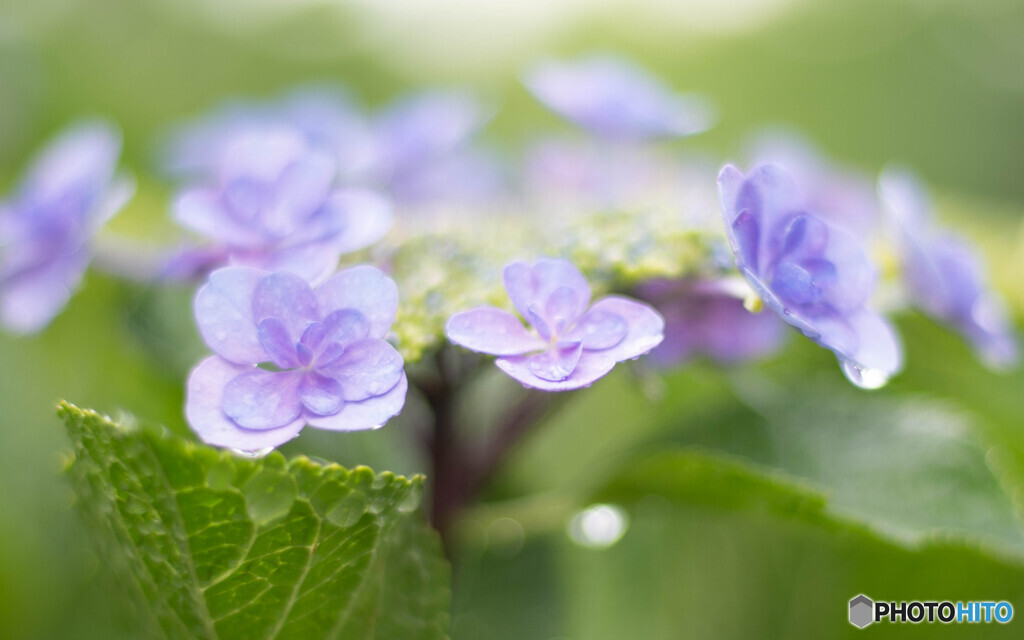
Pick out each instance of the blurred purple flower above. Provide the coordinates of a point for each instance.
(615, 99)
(424, 150)
(815, 276)
(272, 204)
(325, 360)
(707, 318)
(570, 345)
(944, 276)
(46, 228)
(326, 116)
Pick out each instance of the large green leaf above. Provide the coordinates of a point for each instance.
(220, 546)
(729, 549)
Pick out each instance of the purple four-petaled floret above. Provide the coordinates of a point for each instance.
(288, 355)
(571, 343)
(813, 275)
(46, 229)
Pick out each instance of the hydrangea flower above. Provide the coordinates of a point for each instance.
(708, 318)
(613, 98)
(288, 355)
(944, 276)
(70, 191)
(274, 204)
(571, 343)
(815, 276)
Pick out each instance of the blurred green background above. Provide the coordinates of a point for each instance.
(759, 500)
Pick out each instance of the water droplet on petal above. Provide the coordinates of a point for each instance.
(256, 453)
(863, 377)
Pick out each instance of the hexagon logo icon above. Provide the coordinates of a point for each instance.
(862, 611)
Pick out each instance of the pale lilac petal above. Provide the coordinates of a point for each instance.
(599, 329)
(223, 310)
(367, 414)
(491, 330)
(302, 188)
(29, 300)
(365, 289)
(321, 395)
(530, 286)
(314, 262)
(557, 363)
(201, 211)
(261, 399)
(203, 410)
(563, 307)
(79, 161)
(352, 219)
(879, 347)
(427, 126)
(591, 366)
(612, 97)
(277, 343)
(345, 327)
(288, 297)
(646, 327)
(365, 368)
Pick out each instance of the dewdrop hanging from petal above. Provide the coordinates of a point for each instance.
(815, 276)
(570, 343)
(288, 355)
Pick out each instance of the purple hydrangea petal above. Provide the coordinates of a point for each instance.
(353, 219)
(286, 296)
(203, 409)
(563, 308)
(491, 330)
(365, 368)
(879, 348)
(530, 286)
(367, 414)
(424, 127)
(30, 299)
(320, 394)
(704, 317)
(599, 329)
(346, 326)
(556, 363)
(645, 327)
(301, 189)
(314, 262)
(278, 344)
(365, 289)
(591, 366)
(80, 160)
(261, 399)
(944, 276)
(223, 310)
(201, 211)
(767, 199)
(614, 98)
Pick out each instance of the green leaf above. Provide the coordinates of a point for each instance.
(220, 546)
(718, 547)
